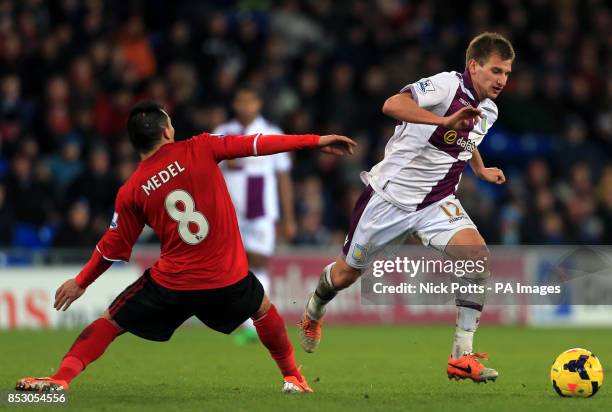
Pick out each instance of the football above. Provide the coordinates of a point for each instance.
(576, 373)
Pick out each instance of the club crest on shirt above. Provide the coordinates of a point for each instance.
(359, 253)
(483, 122)
(426, 86)
(115, 222)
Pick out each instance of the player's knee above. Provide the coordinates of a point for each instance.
(263, 308)
(106, 315)
(480, 258)
(474, 253)
(476, 256)
(344, 275)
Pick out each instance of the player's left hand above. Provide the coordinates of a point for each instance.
(66, 294)
(492, 175)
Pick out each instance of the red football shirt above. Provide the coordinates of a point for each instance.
(180, 193)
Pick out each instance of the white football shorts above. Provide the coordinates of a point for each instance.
(376, 223)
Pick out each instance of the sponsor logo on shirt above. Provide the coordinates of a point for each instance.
(115, 222)
(450, 137)
(466, 144)
(425, 86)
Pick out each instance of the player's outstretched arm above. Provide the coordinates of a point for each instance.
(488, 174)
(233, 146)
(402, 107)
(73, 288)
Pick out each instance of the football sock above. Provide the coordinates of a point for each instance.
(469, 307)
(467, 323)
(88, 347)
(273, 334)
(324, 293)
(263, 276)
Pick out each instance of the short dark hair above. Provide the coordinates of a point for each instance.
(145, 124)
(248, 88)
(485, 44)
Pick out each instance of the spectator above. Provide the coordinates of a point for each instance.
(7, 217)
(74, 232)
(25, 196)
(70, 72)
(66, 165)
(98, 185)
(577, 147)
(135, 47)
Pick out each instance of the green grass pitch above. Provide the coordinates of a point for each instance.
(355, 368)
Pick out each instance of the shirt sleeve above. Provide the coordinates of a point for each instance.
(432, 91)
(233, 146)
(93, 269)
(127, 224)
(282, 161)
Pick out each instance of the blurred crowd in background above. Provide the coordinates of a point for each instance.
(70, 71)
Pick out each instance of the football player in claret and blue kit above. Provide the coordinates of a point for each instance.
(441, 121)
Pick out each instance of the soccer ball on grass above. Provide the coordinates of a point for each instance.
(576, 373)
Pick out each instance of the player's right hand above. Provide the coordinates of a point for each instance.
(462, 119)
(336, 144)
(66, 294)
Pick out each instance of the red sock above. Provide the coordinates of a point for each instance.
(88, 347)
(273, 334)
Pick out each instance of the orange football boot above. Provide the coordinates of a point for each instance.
(310, 333)
(469, 367)
(292, 384)
(41, 385)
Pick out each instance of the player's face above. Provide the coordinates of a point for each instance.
(490, 78)
(247, 106)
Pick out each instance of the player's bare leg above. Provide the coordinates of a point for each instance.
(88, 347)
(463, 363)
(273, 334)
(335, 277)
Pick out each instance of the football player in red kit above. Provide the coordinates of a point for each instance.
(179, 191)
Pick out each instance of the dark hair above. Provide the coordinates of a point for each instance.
(485, 44)
(248, 88)
(145, 124)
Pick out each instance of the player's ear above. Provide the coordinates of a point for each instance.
(471, 66)
(168, 134)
